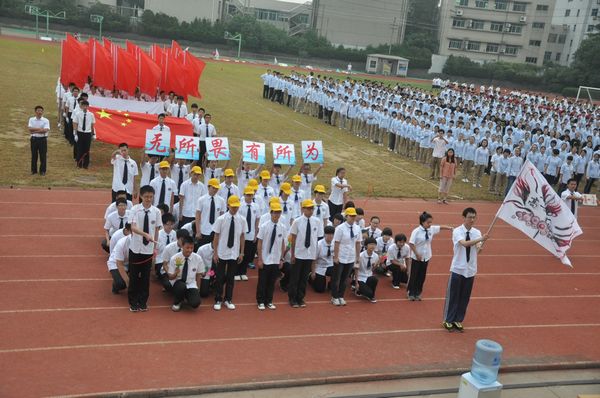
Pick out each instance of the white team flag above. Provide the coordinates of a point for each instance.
(216, 53)
(533, 207)
(275, 61)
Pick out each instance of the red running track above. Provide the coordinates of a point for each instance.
(64, 333)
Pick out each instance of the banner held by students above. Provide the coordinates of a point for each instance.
(217, 148)
(284, 154)
(312, 152)
(157, 142)
(187, 147)
(253, 152)
(533, 207)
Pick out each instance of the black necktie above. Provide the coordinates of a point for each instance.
(426, 233)
(161, 128)
(212, 174)
(180, 178)
(184, 271)
(384, 248)
(351, 232)
(168, 239)
(573, 206)
(121, 222)
(295, 196)
(211, 217)
(468, 237)
(207, 131)
(228, 192)
(231, 233)
(277, 178)
(328, 251)
(318, 210)
(161, 197)
(372, 233)
(74, 103)
(273, 235)
(146, 226)
(285, 207)
(83, 124)
(247, 175)
(306, 178)
(369, 263)
(125, 173)
(179, 111)
(152, 170)
(307, 237)
(266, 192)
(249, 218)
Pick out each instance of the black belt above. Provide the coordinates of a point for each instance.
(32, 137)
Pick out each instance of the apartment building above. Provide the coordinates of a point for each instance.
(576, 19)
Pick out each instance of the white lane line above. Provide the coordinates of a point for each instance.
(55, 280)
(288, 337)
(285, 303)
(51, 236)
(51, 218)
(56, 256)
(57, 203)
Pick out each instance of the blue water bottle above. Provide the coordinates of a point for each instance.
(486, 361)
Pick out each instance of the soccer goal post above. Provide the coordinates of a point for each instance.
(593, 93)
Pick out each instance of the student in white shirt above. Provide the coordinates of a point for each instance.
(228, 244)
(272, 240)
(169, 243)
(149, 169)
(186, 268)
(420, 245)
(323, 266)
(38, 127)
(592, 173)
(566, 173)
(164, 186)
(178, 109)
(264, 193)
(399, 261)
(363, 271)
(277, 178)
(212, 171)
(190, 191)
(373, 230)
(208, 208)
(304, 233)
(251, 213)
(83, 132)
(124, 172)
(113, 207)
(321, 208)
(571, 197)
(207, 253)
(228, 188)
(439, 151)
(297, 197)
(494, 169)
(114, 221)
(339, 192)
(118, 260)
(245, 174)
(161, 126)
(205, 130)
(467, 242)
(307, 178)
(146, 221)
(180, 172)
(347, 243)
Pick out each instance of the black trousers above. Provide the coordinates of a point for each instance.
(118, 282)
(271, 91)
(284, 282)
(578, 178)
(588, 185)
(39, 148)
(140, 266)
(226, 270)
(457, 297)
(163, 279)
(418, 272)
(204, 288)
(265, 91)
(68, 130)
(266, 283)
(249, 253)
(298, 279)
(392, 141)
(369, 287)
(202, 150)
(551, 179)
(181, 293)
(319, 284)
(334, 209)
(83, 145)
(206, 239)
(339, 279)
(398, 275)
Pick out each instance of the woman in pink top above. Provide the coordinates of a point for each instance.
(447, 173)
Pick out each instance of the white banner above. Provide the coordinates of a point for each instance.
(534, 208)
(126, 105)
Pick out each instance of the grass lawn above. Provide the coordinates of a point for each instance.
(232, 94)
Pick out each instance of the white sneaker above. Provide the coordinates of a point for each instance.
(342, 301)
(176, 307)
(229, 305)
(217, 306)
(271, 306)
(474, 185)
(478, 185)
(244, 277)
(395, 287)
(335, 302)
(261, 307)
(237, 278)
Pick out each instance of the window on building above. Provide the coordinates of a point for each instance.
(571, 43)
(515, 29)
(542, 7)
(562, 39)
(501, 5)
(535, 43)
(519, 7)
(496, 27)
(477, 24)
(567, 13)
(481, 3)
(511, 50)
(574, 27)
(568, 55)
(594, 12)
(578, 10)
(538, 25)
(463, 3)
(547, 56)
(557, 57)
(455, 44)
(473, 46)
(552, 38)
(458, 23)
(531, 60)
(591, 28)
(373, 63)
(491, 48)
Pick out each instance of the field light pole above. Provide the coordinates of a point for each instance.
(97, 19)
(33, 10)
(237, 37)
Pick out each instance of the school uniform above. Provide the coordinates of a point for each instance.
(84, 134)
(481, 161)
(321, 211)
(367, 283)
(553, 164)
(494, 172)
(306, 184)
(120, 252)
(231, 229)
(71, 105)
(140, 254)
(179, 174)
(112, 223)
(592, 173)
(324, 266)
(210, 208)
(38, 143)
(190, 193)
(167, 248)
(250, 212)
(421, 238)
(178, 110)
(502, 175)
(374, 233)
(204, 131)
(347, 236)
(462, 274)
(273, 237)
(262, 197)
(307, 232)
(185, 286)
(515, 164)
(124, 172)
(149, 173)
(244, 176)
(276, 181)
(209, 173)
(566, 173)
(400, 255)
(113, 207)
(572, 204)
(164, 190)
(336, 198)
(206, 252)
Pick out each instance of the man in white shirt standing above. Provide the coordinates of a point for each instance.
(178, 109)
(83, 132)
(346, 250)
(439, 151)
(190, 192)
(208, 208)
(39, 127)
(467, 242)
(124, 172)
(339, 192)
(571, 197)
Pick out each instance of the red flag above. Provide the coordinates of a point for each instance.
(102, 68)
(126, 71)
(114, 127)
(173, 78)
(157, 54)
(109, 46)
(75, 62)
(149, 74)
(133, 49)
(176, 50)
(194, 69)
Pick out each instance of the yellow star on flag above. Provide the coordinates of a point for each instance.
(123, 124)
(126, 114)
(103, 114)
(128, 120)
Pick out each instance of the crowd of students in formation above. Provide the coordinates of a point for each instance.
(459, 132)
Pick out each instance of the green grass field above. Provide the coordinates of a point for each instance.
(232, 94)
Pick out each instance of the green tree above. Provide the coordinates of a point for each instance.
(587, 61)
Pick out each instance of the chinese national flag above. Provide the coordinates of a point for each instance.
(101, 65)
(149, 74)
(126, 71)
(75, 62)
(115, 127)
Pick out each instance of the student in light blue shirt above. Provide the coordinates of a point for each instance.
(515, 164)
(468, 158)
(502, 175)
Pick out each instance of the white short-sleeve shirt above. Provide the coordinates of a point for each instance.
(337, 194)
(459, 260)
(119, 163)
(423, 245)
(137, 220)
(265, 234)
(195, 266)
(347, 235)
(191, 193)
(299, 229)
(221, 227)
(41, 123)
(203, 206)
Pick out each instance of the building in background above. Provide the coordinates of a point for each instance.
(577, 19)
(291, 17)
(358, 23)
(387, 65)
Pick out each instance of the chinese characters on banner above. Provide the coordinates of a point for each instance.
(187, 147)
(284, 154)
(312, 152)
(253, 152)
(217, 148)
(158, 142)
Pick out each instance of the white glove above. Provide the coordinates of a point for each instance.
(76, 138)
